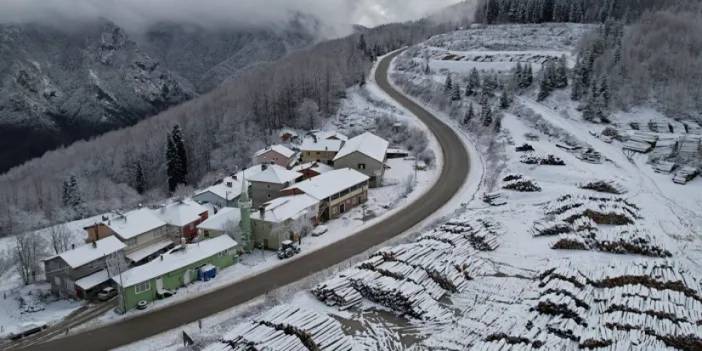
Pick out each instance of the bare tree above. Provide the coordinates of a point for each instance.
(29, 247)
(60, 238)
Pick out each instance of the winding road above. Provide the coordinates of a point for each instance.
(453, 175)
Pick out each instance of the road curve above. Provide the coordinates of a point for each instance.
(454, 173)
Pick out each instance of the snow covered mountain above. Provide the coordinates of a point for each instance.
(61, 85)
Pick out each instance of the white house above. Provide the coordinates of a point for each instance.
(365, 153)
(275, 154)
(285, 218)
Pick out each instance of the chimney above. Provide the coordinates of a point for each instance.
(230, 184)
(94, 244)
(235, 177)
(264, 167)
(104, 218)
(314, 136)
(262, 212)
(73, 246)
(161, 257)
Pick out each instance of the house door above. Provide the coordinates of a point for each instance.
(187, 277)
(342, 208)
(159, 285)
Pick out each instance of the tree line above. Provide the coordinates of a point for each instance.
(579, 11)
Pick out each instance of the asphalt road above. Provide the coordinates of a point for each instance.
(454, 172)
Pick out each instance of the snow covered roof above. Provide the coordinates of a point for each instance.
(230, 187)
(331, 135)
(309, 144)
(330, 183)
(93, 280)
(149, 250)
(134, 223)
(315, 166)
(275, 174)
(175, 259)
(181, 213)
(287, 207)
(368, 144)
(91, 252)
(280, 149)
(222, 219)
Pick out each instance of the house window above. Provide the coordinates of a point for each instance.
(142, 287)
(361, 166)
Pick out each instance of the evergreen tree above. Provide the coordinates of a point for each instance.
(544, 89)
(171, 164)
(529, 76)
(470, 114)
(487, 115)
(505, 100)
(139, 179)
(562, 73)
(473, 83)
(71, 196)
(427, 69)
(518, 75)
(456, 93)
(181, 155)
(489, 85)
(498, 124)
(448, 86)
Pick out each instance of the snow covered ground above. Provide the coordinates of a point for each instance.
(22, 304)
(486, 277)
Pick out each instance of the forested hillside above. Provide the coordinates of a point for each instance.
(581, 11)
(220, 131)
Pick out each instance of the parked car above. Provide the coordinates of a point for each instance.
(107, 293)
(27, 330)
(287, 249)
(320, 230)
(142, 304)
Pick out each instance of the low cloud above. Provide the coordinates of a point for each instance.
(336, 16)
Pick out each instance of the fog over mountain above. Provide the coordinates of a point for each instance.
(337, 16)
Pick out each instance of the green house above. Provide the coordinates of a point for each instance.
(177, 268)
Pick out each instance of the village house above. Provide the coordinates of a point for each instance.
(142, 230)
(177, 268)
(337, 191)
(312, 169)
(81, 271)
(365, 153)
(267, 184)
(285, 218)
(317, 148)
(225, 221)
(275, 154)
(182, 218)
(226, 192)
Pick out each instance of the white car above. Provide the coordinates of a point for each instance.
(319, 230)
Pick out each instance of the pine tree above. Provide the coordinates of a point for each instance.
(181, 155)
(171, 164)
(473, 83)
(518, 75)
(427, 69)
(448, 86)
(490, 85)
(470, 114)
(456, 93)
(139, 179)
(498, 124)
(544, 89)
(71, 196)
(562, 73)
(528, 77)
(487, 115)
(505, 100)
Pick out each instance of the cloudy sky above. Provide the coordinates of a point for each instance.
(337, 15)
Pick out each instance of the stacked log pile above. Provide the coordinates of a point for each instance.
(518, 182)
(286, 328)
(411, 278)
(604, 186)
(541, 160)
(659, 304)
(316, 331)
